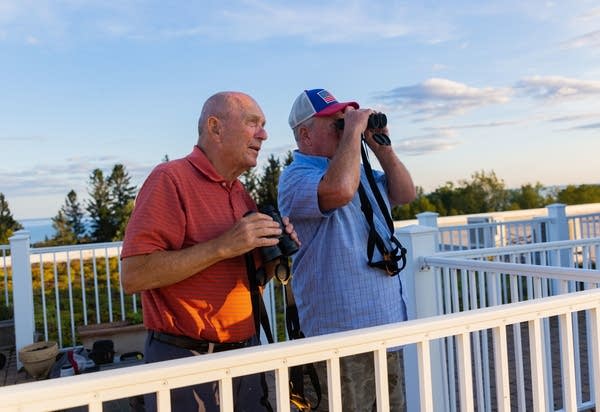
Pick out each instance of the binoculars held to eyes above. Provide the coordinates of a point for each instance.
(375, 121)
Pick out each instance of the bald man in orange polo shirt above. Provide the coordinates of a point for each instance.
(185, 243)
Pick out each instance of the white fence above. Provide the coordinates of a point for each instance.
(422, 394)
(496, 330)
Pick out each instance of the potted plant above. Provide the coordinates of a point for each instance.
(7, 326)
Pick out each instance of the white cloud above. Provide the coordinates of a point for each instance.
(589, 14)
(591, 39)
(235, 20)
(58, 179)
(575, 117)
(591, 126)
(558, 87)
(426, 144)
(478, 125)
(32, 40)
(442, 97)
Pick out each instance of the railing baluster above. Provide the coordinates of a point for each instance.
(71, 310)
(83, 291)
(334, 383)
(381, 380)
(424, 358)
(501, 368)
(537, 366)
(465, 375)
(567, 362)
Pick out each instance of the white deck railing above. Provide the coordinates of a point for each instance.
(95, 388)
(491, 277)
(464, 281)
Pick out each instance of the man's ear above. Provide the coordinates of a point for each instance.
(305, 136)
(214, 126)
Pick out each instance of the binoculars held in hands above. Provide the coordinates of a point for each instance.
(375, 121)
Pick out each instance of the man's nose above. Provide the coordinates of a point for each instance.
(262, 134)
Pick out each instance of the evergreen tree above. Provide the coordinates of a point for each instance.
(8, 225)
(122, 194)
(289, 158)
(267, 190)
(68, 223)
(251, 182)
(64, 234)
(99, 208)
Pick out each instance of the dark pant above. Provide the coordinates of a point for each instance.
(247, 390)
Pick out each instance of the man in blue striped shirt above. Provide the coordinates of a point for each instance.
(334, 286)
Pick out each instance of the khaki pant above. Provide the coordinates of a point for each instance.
(358, 383)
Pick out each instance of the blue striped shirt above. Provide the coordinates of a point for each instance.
(334, 288)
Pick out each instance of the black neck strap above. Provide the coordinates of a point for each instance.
(391, 258)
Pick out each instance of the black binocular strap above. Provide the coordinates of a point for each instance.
(374, 237)
(260, 317)
(259, 313)
(297, 373)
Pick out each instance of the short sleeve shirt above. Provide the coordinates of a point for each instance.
(334, 287)
(182, 203)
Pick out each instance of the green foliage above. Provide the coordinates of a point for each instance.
(574, 195)
(122, 195)
(110, 204)
(485, 192)
(267, 190)
(528, 197)
(408, 211)
(6, 312)
(60, 281)
(68, 223)
(99, 209)
(8, 225)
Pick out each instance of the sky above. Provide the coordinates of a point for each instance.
(506, 86)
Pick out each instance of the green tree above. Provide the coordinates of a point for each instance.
(68, 223)
(289, 157)
(574, 195)
(442, 199)
(64, 234)
(410, 210)
(251, 182)
(483, 193)
(528, 197)
(8, 225)
(99, 208)
(126, 213)
(267, 189)
(122, 194)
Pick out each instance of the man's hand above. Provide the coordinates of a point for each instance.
(289, 229)
(252, 231)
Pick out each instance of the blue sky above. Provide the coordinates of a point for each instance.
(509, 86)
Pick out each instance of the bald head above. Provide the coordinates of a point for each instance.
(230, 132)
(221, 105)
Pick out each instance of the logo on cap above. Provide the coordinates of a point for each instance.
(326, 96)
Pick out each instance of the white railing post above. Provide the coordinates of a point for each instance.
(558, 230)
(22, 290)
(419, 284)
(559, 226)
(428, 219)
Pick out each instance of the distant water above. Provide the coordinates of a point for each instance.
(38, 229)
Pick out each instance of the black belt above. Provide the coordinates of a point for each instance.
(201, 346)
